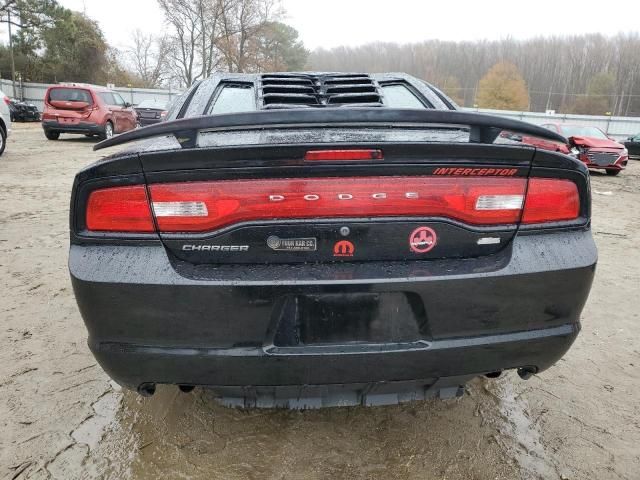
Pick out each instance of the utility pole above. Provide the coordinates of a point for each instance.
(626, 111)
(549, 98)
(13, 62)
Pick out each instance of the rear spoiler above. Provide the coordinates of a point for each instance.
(483, 128)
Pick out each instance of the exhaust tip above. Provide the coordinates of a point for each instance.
(527, 372)
(186, 388)
(147, 389)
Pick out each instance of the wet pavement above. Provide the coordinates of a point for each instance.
(61, 417)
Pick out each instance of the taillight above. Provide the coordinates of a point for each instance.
(207, 206)
(7, 100)
(119, 209)
(551, 200)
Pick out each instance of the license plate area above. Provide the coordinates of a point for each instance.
(350, 321)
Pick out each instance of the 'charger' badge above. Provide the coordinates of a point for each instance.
(422, 240)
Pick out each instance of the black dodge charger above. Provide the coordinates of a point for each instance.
(321, 239)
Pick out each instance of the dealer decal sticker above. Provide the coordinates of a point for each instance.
(292, 244)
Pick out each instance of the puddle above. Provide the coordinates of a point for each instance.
(175, 435)
(526, 444)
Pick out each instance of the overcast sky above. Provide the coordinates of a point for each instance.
(330, 23)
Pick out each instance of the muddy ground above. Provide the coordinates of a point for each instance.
(60, 417)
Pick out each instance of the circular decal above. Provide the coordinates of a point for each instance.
(274, 242)
(344, 248)
(422, 240)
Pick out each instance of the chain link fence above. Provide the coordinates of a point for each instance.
(619, 128)
(34, 93)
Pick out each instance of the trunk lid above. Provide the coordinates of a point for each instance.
(69, 103)
(261, 197)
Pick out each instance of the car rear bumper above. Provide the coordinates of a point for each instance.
(80, 127)
(26, 116)
(249, 377)
(143, 122)
(152, 319)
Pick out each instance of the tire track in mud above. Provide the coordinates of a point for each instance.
(526, 441)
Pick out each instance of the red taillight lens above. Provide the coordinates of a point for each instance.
(206, 206)
(119, 209)
(339, 155)
(551, 200)
(7, 100)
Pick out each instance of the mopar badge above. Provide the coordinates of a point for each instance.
(422, 240)
(292, 244)
(344, 248)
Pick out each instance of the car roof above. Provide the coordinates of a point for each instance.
(160, 103)
(285, 90)
(577, 125)
(87, 86)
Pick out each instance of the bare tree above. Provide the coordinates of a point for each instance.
(211, 13)
(242, 21)
(184, 16)
(558, 70)
(148, 56)
(208, 35)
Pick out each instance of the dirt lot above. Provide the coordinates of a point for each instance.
(60, 417)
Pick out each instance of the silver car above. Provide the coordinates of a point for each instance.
(5, 121)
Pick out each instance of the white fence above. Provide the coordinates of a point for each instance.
(617, 127)
(34, 93)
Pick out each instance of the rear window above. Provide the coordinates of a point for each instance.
(70, 95)
(234, 98)
(399, 96)
(154, 104)
(580, 131)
